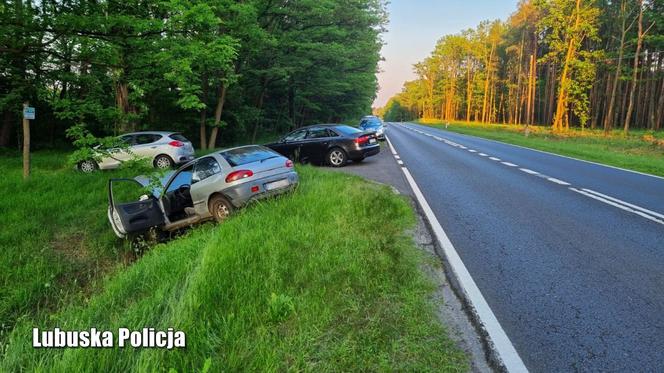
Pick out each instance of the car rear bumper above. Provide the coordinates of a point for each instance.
(365, 152)
(244, 193)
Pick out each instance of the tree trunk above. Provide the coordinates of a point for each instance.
(561, 107)
(6, 130)
(217, 115)
(469, 94)
(203, 115)
(486, 84)
(639, 42)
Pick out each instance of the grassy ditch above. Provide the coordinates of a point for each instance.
(324, 279)
(640, 151)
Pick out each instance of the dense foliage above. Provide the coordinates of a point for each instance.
(208, 68)
(594, 63)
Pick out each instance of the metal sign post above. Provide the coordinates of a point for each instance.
(28, 115)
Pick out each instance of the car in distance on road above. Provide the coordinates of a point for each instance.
(163, 149)
(331, 144)
(210, 187)
(371, 123)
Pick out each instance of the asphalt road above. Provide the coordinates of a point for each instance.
(568, 254)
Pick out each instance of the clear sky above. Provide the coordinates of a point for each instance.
(415, 27)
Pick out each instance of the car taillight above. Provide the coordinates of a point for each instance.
(289, 163)
(238, 175)
(176, 143)
(361, 140)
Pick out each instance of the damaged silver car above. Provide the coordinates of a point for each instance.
(210, 187)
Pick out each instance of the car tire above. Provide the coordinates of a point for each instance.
(336, 157)
(220, 208)
(163, 162)
(88, 166)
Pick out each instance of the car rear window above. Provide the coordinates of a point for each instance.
(347, 130)
(178, 137)
(250, 154)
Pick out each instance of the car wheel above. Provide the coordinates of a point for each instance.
(87, 166)
(336, 157)
(163, 162)
(220, 208)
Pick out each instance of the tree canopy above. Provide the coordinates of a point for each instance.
(553, 62)
(209, 68)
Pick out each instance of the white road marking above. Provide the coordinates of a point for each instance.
(397, 157)
(500, 341)
(529, 171)
(438, 138)
(494, 159)
(472, 150)
(394, 152)
(509, 164)
(560, 182)
(564, 156)
(400, 162)
(635, 207)
(483, 155)
(614, 204)
(462, 147)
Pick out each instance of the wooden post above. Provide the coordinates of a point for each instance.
(26, 145)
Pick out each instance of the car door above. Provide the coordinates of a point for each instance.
(315, 146)
(145, 145)
(115, 156)
(203, 183)
(289, 146)
(131, 209)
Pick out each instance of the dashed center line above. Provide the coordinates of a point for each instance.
(529, 171)
(557, 181)
(612, 201)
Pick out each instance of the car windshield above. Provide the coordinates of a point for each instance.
(347, 130)
(371, 124)
(249, 154)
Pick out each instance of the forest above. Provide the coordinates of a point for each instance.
(216, 70)
(587, 64)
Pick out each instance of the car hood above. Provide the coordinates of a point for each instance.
(156, 191)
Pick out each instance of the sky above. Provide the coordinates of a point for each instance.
(416, 25)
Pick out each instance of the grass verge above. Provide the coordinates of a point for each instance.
(640, 151)
(324, 279)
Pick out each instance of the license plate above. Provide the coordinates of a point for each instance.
(372, 141)
(277, 184)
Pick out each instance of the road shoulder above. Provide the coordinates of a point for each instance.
(450, 310)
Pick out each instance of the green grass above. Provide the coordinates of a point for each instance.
(631, 152)
(54, 239)
(324, 279)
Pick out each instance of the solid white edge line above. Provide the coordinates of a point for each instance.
(501, 342)
(549, 153)
(617, 205)
(625, 203)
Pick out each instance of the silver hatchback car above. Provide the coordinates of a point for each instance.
(210, 187)
(163, 149)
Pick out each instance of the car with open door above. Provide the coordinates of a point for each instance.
(209, 187)
(331, 144)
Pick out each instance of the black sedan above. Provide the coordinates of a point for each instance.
(330, 144)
